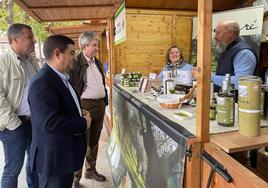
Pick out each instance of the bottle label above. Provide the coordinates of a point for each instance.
(225, 110)
(243, 91)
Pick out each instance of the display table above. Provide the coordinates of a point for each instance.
(146, 149)
(188, 124)
(148, 145)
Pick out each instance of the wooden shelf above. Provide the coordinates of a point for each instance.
(232, 142)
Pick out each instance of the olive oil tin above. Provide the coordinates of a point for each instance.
(249, 92)
(249, 100)
(249, 122)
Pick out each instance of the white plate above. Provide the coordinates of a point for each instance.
(181, 115)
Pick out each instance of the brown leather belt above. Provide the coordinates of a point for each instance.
(94, 100)
(24, 118)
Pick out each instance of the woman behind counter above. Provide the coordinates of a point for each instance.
(175, 61)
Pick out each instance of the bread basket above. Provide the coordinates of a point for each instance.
(175, 101)
(169, 101)
(170, 106)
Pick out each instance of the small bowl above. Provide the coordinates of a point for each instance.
(181, 115)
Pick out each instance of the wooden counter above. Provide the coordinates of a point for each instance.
(224, 140)
(228, 138)
(234, 142)
(188, 124)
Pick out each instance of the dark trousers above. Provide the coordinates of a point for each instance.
(96, 109)
(56, 182)
(16, 143)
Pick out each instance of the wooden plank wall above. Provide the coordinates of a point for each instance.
(149, 34)
(103, 49)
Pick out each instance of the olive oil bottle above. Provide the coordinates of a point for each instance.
(212, 110)
(225, 104)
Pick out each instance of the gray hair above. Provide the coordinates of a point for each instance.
(15, 30)
(86, 37)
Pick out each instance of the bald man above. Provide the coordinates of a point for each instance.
(237, 59)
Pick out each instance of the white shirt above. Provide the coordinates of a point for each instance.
(94, 88)
(29, 71)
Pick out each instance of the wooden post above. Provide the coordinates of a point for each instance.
(203, 69)
(100, 49)
(192, 176)
(111, 66)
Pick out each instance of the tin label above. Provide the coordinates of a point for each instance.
(220, 101)
(243, 91)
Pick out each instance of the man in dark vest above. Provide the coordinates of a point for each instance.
(237, 59)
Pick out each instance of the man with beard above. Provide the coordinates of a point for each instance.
(237, 59)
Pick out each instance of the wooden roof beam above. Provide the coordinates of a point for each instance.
(70, 19)
(96, 22)
(25, 8)
(78, 27)
(70, 7)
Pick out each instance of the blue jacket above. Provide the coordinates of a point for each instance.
(58, 141)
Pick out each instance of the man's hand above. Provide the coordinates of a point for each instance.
(87, 116)
(194, 72)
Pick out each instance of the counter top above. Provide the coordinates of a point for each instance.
(234, 142)
(228, 138)
(188, 124)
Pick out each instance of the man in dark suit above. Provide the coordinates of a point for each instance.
(58, 145)
(88, 81)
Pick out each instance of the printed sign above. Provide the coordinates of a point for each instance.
(250, 20)
(120, 25)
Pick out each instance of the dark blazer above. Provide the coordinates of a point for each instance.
(78, 72)
(58, 142)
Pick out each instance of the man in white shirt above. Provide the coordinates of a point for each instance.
(17, 68)
(59, 143)
(88, 80)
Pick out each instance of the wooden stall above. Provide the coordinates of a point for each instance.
(152, 26)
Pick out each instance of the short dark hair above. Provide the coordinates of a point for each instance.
(56, 41)
(15, 30)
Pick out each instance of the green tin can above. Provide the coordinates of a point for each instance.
(249, 92)
(249, 102)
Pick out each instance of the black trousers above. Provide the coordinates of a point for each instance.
(96, 109)
(56, 182)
